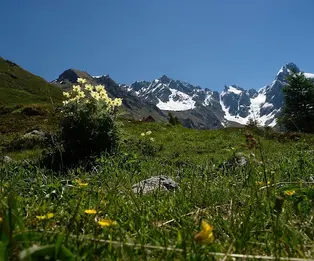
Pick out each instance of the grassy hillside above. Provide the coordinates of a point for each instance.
(18, 86)
(26, 101)
(248, 216)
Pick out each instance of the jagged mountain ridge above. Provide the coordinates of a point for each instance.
(233, 105)
(133, 107)
(194, 106)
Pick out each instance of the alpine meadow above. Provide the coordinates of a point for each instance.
(84, 182)
(157, 130)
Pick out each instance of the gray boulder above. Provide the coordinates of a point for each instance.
(7, 159)
(35, 134)
(155, 183)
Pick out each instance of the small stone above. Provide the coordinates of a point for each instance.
(154, 183)
(7, 159)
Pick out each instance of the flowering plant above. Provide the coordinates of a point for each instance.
(88, 125)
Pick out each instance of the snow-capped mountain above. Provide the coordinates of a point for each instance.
(196, 107)
(173, 95)
(233, 105)
(264, 105)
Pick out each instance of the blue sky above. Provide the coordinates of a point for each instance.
(205, 42)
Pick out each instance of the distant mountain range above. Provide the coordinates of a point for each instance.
(194, 106)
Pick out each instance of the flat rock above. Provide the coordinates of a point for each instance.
(155, 183)
(35, 134)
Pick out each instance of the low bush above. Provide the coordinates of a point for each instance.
(88, 126)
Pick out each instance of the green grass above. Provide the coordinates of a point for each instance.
(248, 218)
(18, 86)
(20, 90)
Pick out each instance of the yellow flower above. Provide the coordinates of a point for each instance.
(95, 95)
(206, 236)
(262, 183)
(50, 215)
(81, 80)
(142, 134)
(148, 133)
(118, 102)
(90, 211)
(80, 183)
(107, 223)
(289, 192)
(81, 94)
(47, 216)
(76, 88)
(100, 88)
(1, 219)
(66, 94)
(89, 87)
(103, 95)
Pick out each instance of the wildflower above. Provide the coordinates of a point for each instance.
(81, 94)
(262, 183)
(142, 134)
(289, 192)
(66, 94)
(76, 88)
(118, 102)
(103, 95)
(107, 223)
(89, 87)
(148, 133)
(152, 139)
(90, 211)
(95, 95)
(80, 183)
(81, 80)
(206, 236)
(100, 88)
(47, 216)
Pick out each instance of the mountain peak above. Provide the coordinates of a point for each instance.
(71, 75)
(285, 71)
(291, 66)
(233, 88)
(165, 79)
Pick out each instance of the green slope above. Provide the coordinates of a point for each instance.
(26, 100)
(18, 86)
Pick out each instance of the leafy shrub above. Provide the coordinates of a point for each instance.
(88, 125)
